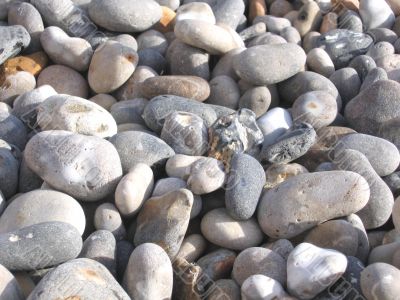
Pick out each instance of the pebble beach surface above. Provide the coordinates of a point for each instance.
(199, 150)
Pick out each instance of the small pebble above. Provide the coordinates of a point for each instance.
(262, 287)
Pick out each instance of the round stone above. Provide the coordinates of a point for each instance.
(193, 246)
(107, 217)
(258, 99)
(222, 230)
(262, 287)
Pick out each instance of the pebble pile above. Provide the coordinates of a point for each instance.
(199, 149)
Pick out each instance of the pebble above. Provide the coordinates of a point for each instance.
(376, 14)
(381, 49)
(351, 20)
(101, 247)
(257, 260)
(160, 107)
(257, 99)
(129, 111)
(24, 106)
(134, 189)
(111, 66)
(179, 165)
(274, 63)
(33, 63)
(267, 38)
(125, 16)
(193, 246)
(309, 18)
(130, 89)
(338, 235)
(294, 143)
(104, 100)
(362, 64)
(187, 60)
(383, 253)
(39, 246)
(28, 180)
(379, 207)
(64, 80)
(317, 108)
(379, 281)
(224, 91)
(278, 173)
(74, 114)
(80, 278)
(225, 64)
(124, 251)
(225, 289)
(280, 214)
(212, 38)
(282, 247)
(12, 130)
(347, 82)
(309, 265)
(152, 39)
(139, 147)
(85, 167)
(14, 39)
(393, 181)
(343, 45)
(28, 210)
(274, 123)
(184, 86)
(383, 156)
(274, 24)
(262, 287)
(107, 217)
(219, 228)
(75, 53)
(207, 174)
(373, 76)
(149, 273)
(152, 59)
(15, 85)
(185, 133)
(217, 264)
(27, 15)
(245, 182)
(186, 276)
(320, 62)
(257, 8)
(196, 11)
(396, 214)
(372, 109)
(173, 211)
(307, 82)
(10, 286)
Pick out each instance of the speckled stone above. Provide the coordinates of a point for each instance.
(347, 82)
(245, 182)
(39, 246)
(139, 147)
(284, 61)
(257, 260)
(279, 213)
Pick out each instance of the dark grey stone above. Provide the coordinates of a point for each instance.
(124, 251)
(28, 180)
(293, 144)
(39, 246)
(383, 35)
(12, 130)
(245, 183)
(350, 20)
(343, 45)
(347, 82)
(304, 82)
(153, 59)
(129, 111)
(9, 165)
(363, 64)
(101, 247)
(139, 147)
